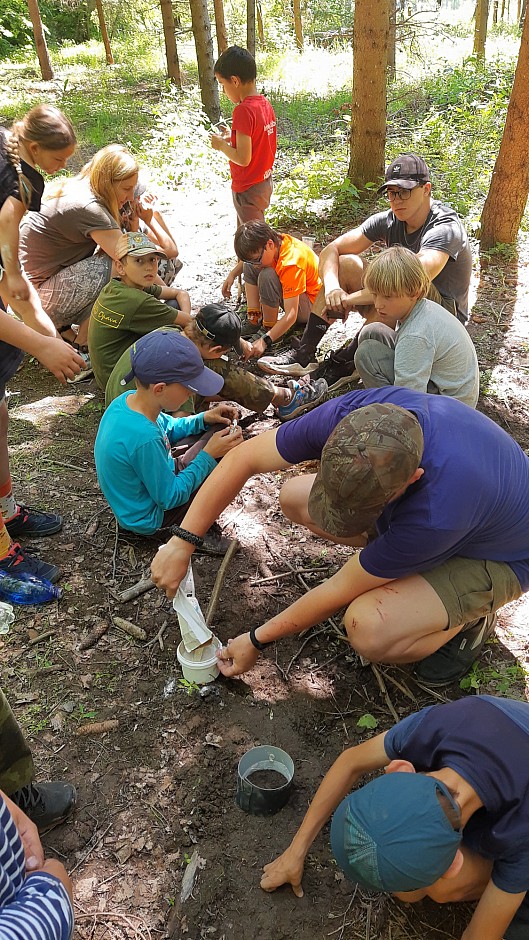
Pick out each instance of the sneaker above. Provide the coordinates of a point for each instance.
(292, 362)
(33, 522)
(335, 372)
(214, 542)
(46, 804)
(305, 397)
(18, 562)
(86, 370)
(453, 660)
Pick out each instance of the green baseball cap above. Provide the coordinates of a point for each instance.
(369, 456)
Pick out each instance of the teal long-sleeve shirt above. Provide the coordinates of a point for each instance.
(135, 469)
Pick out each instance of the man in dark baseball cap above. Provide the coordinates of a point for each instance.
(414, 220)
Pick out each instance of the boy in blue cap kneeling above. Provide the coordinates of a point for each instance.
(449, 821)
(146, 487)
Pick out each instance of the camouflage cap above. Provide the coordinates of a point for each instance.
(370, 455)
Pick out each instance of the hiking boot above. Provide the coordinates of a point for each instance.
(18, 562)
(250, 324)
(46, 804)
(336, 372)
(453, 660)
(214, 541)
(292, 362)
(305, 396)
(33, 522)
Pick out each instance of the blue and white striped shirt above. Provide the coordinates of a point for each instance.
(33, 906)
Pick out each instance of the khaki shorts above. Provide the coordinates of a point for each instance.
(471, 588)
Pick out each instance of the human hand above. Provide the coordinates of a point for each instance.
(287, 869)
(169, 565)
(259, 348)
(335, 302)
(29, 835)
(143, 207)
(238, 656)
(227, 286)
(17, 286)
(59, 357)
(223, 441)
(221, 414)
(52, 866)
(246, 348)
(217, 141)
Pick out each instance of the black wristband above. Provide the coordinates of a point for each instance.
(255, 642)
(267, 340)
(186, 536)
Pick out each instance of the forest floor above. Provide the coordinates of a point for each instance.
(161, 786)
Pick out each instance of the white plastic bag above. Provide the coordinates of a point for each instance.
(190, 617)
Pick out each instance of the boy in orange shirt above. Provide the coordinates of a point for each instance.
(279, 271)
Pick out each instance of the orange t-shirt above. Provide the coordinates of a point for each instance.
(297, 269)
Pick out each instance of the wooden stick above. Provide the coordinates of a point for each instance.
(131, 628)
(219, 581)
(141, 587)
(383, 689)
(41, 637)
(288, 574)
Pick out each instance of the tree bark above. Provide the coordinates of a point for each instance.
(260, 27)
(509, 188)
(220, 26)
(495, 6)
(250, 26)
(480, 29)
(201, 26)
(171, 52)
(104, 32)
(392, 41)
(298, 26)
(40, 41)
(368, 113)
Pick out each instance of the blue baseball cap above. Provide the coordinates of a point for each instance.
(168, 356)
(393, 834)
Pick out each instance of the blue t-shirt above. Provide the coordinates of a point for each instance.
(136, 470)
(472, 500)
(34, 906)
(485, 740)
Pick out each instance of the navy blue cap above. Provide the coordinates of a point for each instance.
(168, 356)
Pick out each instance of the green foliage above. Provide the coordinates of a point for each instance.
(188, 686)
(500, 680)
(367, 721)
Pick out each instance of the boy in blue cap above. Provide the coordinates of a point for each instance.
(146, 488)
(449, 821)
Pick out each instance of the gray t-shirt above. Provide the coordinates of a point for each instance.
(59, 235)
(442, 231)
(431, 345)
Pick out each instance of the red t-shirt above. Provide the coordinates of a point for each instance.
(254, 117)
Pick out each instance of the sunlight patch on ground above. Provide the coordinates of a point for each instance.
(41, 412)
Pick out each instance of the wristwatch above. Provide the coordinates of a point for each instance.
(267, 340)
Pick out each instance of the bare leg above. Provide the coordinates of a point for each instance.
(293, 499)
(31, 311)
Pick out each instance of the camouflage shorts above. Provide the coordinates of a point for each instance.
(250, 391)
(16, 762)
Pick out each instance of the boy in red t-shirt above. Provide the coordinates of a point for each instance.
(251, 146)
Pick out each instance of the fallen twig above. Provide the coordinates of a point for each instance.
(383, 689)
(41, 637)
(98, 727)
(141, 587)
(131, 628)
(91, 849)
(219, 580)
(287, 574)
(91, 638)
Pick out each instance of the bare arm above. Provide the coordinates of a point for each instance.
(259, 455)
(337, 783)
(231, 278)
(433, 261)
(493, 914)
(107, 239)
(56, 355)
(337, 299)
(241, 154)
(259, 348)
(11, 215)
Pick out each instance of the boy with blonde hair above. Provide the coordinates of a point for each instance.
(415, 342)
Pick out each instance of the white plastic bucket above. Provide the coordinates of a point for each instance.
(200, 666)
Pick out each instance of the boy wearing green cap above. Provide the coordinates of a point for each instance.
(449, 821)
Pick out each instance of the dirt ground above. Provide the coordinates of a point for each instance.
(156, 795)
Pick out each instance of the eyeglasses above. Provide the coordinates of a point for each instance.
(254, 260)
(402, 194)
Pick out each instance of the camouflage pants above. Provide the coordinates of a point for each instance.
(16, 762)
(250, 391)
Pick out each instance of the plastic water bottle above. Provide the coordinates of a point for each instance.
(6, 617)
(27, 589)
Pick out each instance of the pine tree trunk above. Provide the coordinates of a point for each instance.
(298, 26)
(201, 26)
(392, 42)
(220, 26)
(368, 113)
(104, 32)
(250, 26)
(171, 52)
(480, 29)
(495, 12)
(509, 188)
(260, 27)
(40, 41)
